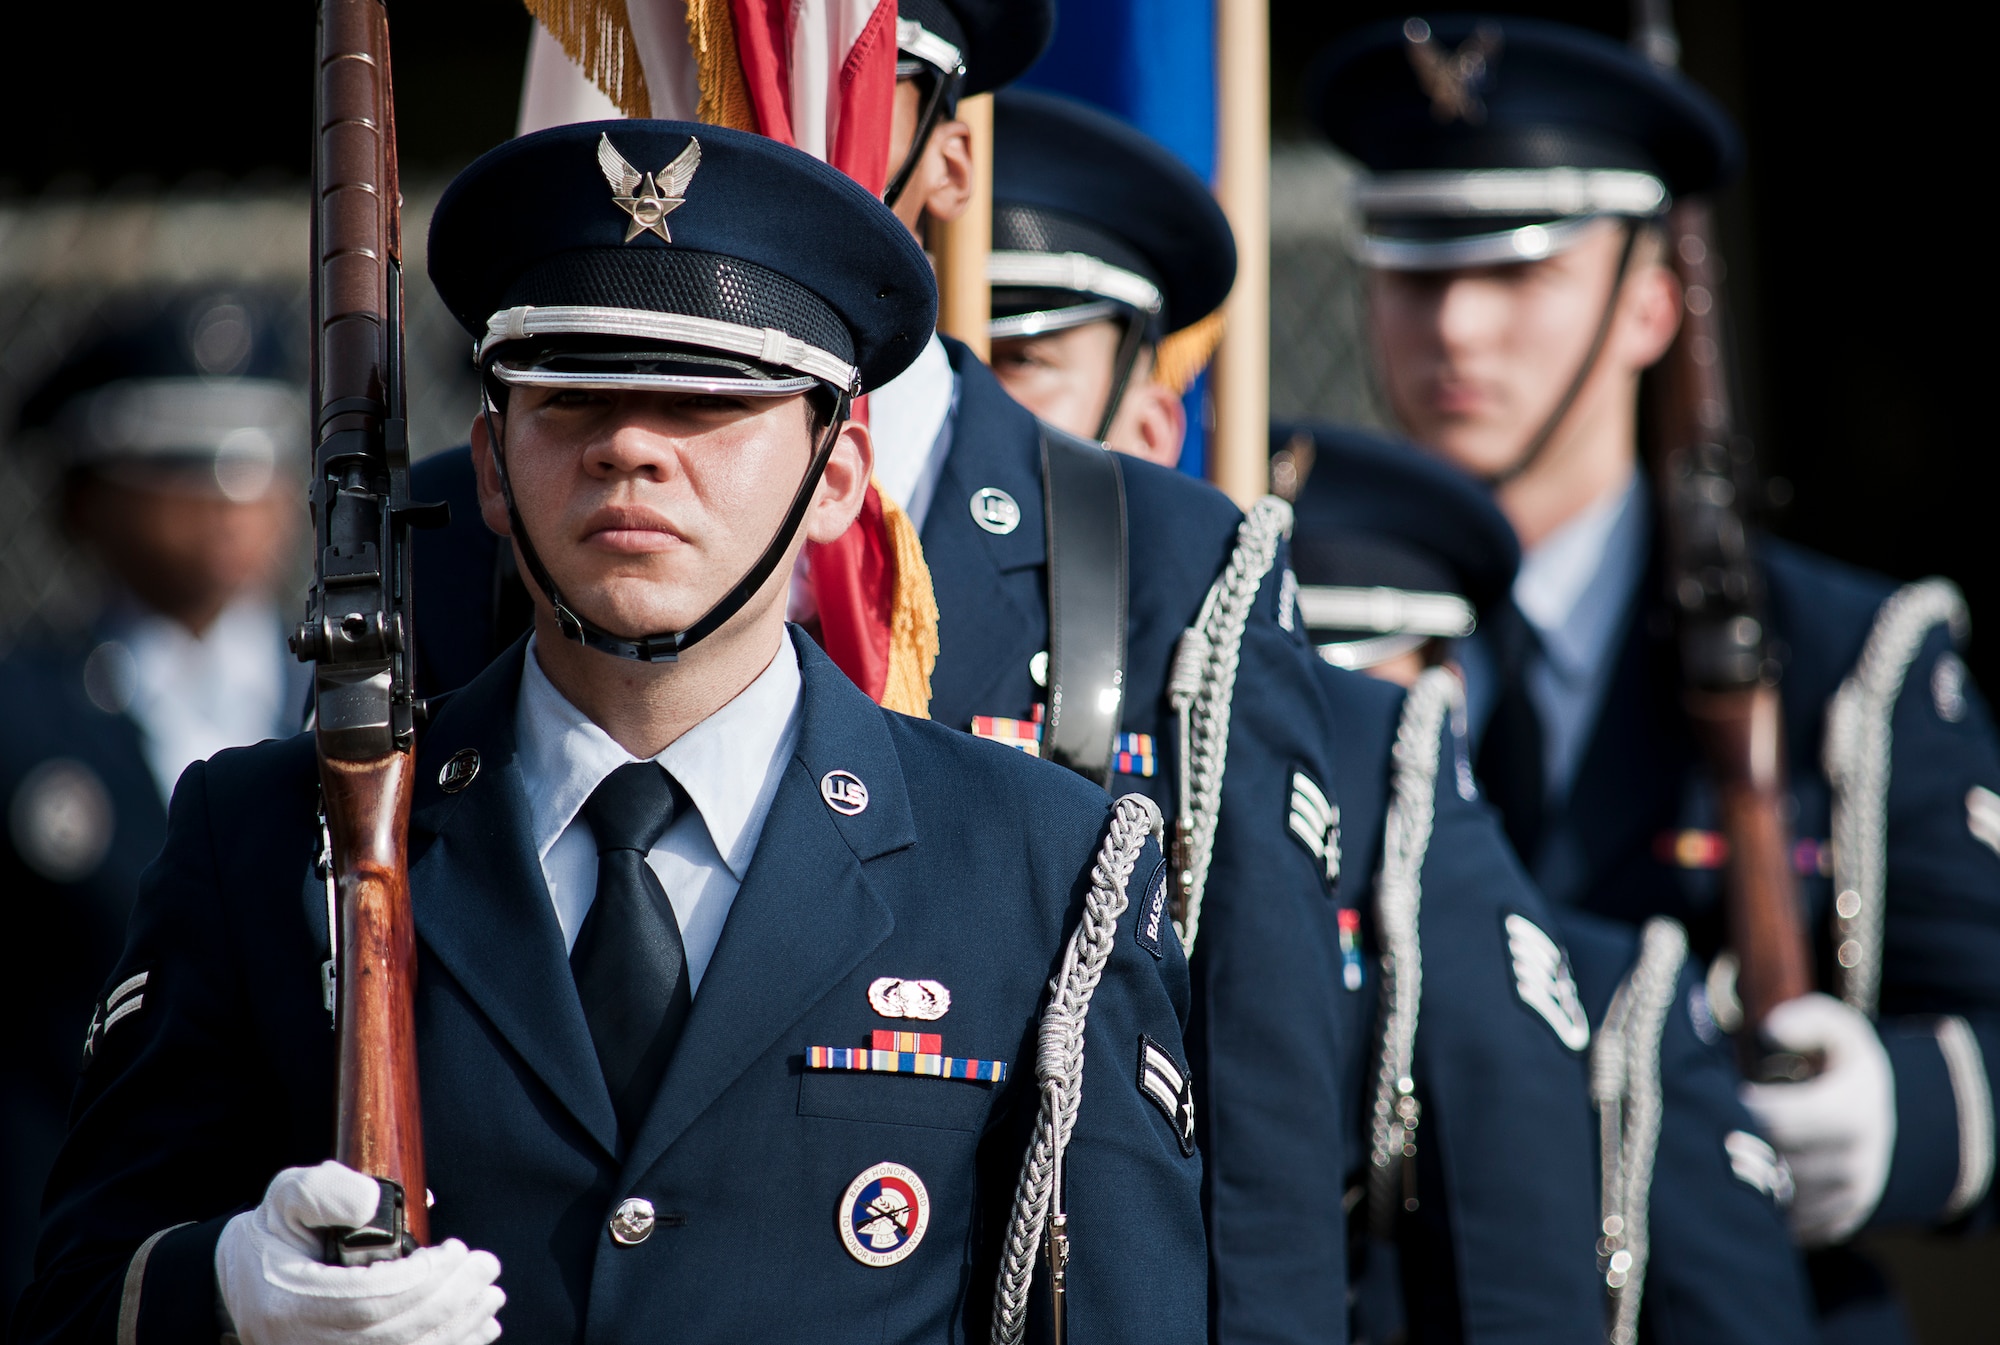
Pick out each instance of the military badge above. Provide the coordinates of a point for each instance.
(994, 510)
(895, 997)
(124, 1000)
(884, 1215)
(1453, 80)
(1542, 980)
(1982, 816)
(906, 1053)
(1166, 1083)
(1758, 1166)
(1315, 823)
(648, 197)
(1350, 948)
(843, 792)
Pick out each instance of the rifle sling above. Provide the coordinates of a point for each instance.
(1084, 509)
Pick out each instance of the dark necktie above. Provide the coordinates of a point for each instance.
(629, 964)
(1510, 753)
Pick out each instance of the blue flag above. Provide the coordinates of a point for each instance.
(1151, 62)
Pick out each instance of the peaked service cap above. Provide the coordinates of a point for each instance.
(1084, 202)
(746, 250)
(1474, 128)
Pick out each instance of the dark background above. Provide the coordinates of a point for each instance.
(1855, 281)
(1853, 269)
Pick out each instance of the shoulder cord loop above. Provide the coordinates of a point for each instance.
(1059, 1067)
(1201, 688)
(1856, 761)
(1625, 1089)
(1399, 897)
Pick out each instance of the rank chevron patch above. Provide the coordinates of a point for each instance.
(1758, 1166)
(1542, 979)
(1170, 1088)
(1315, 821)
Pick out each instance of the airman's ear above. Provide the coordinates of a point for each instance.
(492, 503)
(843, 486)
(1151, 422)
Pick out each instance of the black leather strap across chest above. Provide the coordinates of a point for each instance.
(1084, 511)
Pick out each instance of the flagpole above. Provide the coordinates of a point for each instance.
(960, 248)
(1239, 457)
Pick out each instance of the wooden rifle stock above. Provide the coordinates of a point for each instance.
(1731, 692)
(357, 623)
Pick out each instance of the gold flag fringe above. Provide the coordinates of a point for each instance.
(913, 620)
(725, 97)
(597, 35)
(1185, 353)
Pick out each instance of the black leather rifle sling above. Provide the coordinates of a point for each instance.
(1083, 505)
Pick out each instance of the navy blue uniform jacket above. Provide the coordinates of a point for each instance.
(1500, 1246)
(70, 873)
(1641, 781)
(1266, 1029)
(1266, 1025)
(967, 866)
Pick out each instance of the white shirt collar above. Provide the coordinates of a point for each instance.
(729, 764)
(907, 418)
(1573, 585)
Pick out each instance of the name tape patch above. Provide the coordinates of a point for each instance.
(1315, 822)
(1153, 911)
(1542, 979)
(1166, 1083)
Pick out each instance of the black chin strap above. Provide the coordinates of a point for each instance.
(1121, 371)
(941, 84)
(667, 646)
(1540, 441)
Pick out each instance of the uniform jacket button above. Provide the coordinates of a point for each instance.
(633, 1223)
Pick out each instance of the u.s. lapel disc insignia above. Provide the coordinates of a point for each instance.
(894, 997)
(995, 510)
(843, 792)
(1542, 980)
(884, 1214)
(458, 772)
(648, 197)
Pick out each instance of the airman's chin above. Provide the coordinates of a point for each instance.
(634, 609)
(1481, 453)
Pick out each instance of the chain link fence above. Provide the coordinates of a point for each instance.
(72, 267)
(1319, 356)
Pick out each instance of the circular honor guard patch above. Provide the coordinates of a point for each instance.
(884, 1214)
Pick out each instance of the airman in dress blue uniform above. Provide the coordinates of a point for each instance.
(1400, 557)
(1517, 174)
(739, 999)
(1147, 547)
(179, 432)
(1106, 246)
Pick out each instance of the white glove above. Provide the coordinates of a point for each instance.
(1836, 1130)
(278, 1291)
